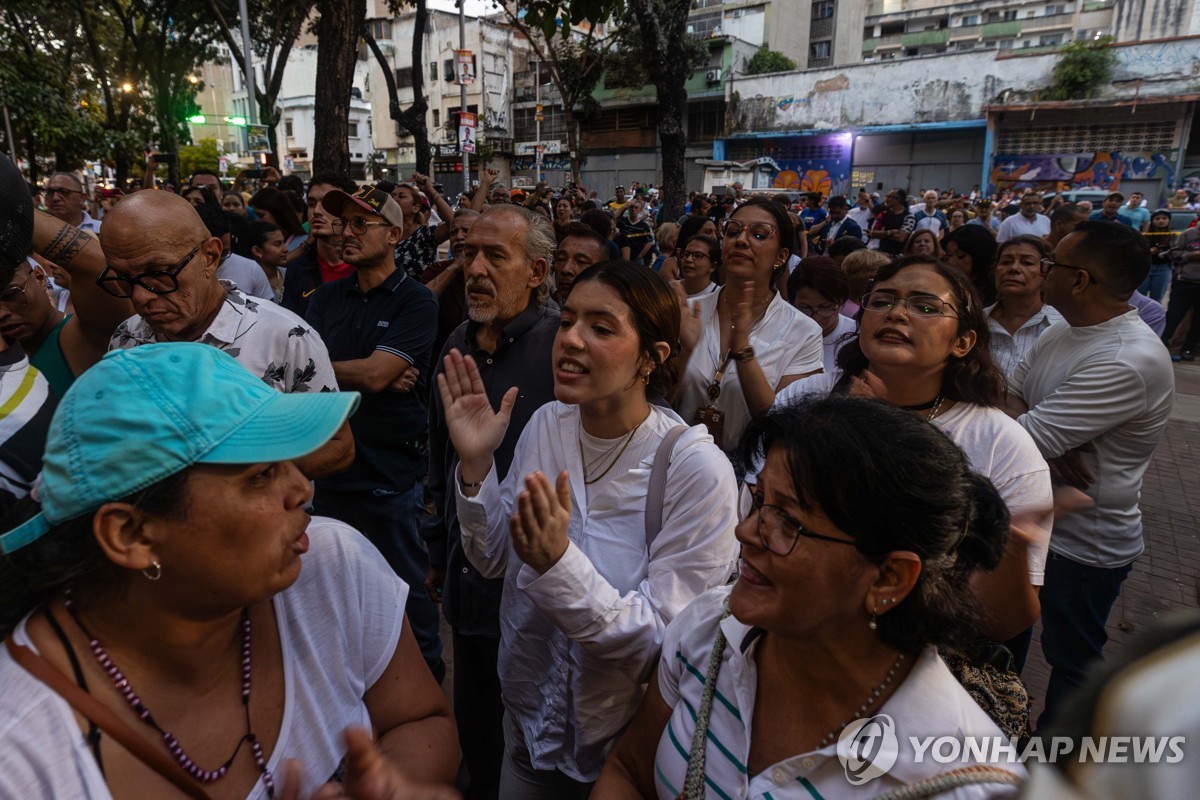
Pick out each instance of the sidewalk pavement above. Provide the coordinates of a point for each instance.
(1165, 577)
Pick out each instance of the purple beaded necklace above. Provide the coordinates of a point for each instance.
(123, 686)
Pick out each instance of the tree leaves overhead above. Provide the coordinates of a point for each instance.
(545, 14)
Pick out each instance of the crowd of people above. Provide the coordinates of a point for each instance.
(813, 462)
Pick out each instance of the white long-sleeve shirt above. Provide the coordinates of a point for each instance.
(578, 643)
(1008, 349)
(1111, 386)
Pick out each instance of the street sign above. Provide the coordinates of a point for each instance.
(466, 67)
(539, 150)
(466, 131)
(223, 163)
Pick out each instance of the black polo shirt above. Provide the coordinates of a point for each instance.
(400, 317)
(522, 359)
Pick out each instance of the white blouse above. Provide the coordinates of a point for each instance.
(578, 643)
(785, 343)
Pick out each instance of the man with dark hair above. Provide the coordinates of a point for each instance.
(1110, 210)
(321, 260)
(1185, 292)
(379, 325)
(578, 250)
(1095, 395)
(839, 225)
(25, 395)
(1064, 220)
(209, 180)
(1030, 221)
(236, 270)
(843, 247)
(510, 334)
(893, 226)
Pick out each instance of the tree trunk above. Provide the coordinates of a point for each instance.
(337, 31)
(412, 120)
(663, 29)
(573, 150)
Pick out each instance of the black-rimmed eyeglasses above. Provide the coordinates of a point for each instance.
(778, 531)
(1048, 264)
(159, 281)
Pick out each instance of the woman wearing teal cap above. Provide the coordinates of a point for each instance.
(161, 591)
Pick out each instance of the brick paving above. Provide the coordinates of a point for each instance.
(1166, 576)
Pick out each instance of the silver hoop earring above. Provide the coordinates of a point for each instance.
(154, 572)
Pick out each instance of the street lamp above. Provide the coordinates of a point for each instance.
(127, 87)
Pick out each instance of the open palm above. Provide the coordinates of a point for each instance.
(476, 430)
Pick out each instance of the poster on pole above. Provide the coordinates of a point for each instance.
(466, 67)
(258, 139)
(466, 132)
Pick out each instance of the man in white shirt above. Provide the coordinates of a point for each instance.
(861, 213)
(1095, 395)
(929, 216)
(66, 199)
(1030, 221)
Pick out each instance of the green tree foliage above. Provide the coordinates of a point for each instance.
(99, 79)
(1081, 69)
(767, 60)
(202, 155)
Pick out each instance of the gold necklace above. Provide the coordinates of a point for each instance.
(612, 463)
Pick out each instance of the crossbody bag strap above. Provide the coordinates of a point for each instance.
(973, 775)
(104, 718)
(657, 490)
(693, 782)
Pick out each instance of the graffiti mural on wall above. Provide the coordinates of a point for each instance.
(1102, 170)
(806, 163)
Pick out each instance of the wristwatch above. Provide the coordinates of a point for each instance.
(744, 354)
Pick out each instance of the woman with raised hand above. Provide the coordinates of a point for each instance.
(596, 553)
(745, 342)
(923, 345)
(171, 590)
(826, 649)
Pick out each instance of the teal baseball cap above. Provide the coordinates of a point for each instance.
(141, 415)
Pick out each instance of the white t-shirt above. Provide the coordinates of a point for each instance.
(339, 625)
(930, 702)
(785, 343)
(831, 344)
(578, 642)
(1110, 386)
(996, 447)
(1017, 225)
(246, 275)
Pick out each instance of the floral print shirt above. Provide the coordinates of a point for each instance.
(267, 339)
(417, 252)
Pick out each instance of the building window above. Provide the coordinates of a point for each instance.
(1051, 40)
(381, 29)
(970, 19)
(1006, 44)
(822, 9)
(433, 71)
(352, 129)
(819, 50)
(404, 78)
(287, 127)
(448, 70)
(437, 118)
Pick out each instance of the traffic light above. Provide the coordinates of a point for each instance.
(197, 119)
(241, 121)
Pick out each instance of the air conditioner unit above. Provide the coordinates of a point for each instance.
(713, 75)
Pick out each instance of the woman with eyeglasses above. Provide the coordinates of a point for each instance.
(596, 560)
(1019, 315)
(745, 342)
(827, 646)
(923, 345)
(699, 261)
(818, 288)
(692, 225)
(418, 247)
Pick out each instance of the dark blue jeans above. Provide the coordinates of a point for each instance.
(1076, 601)
(391, 520)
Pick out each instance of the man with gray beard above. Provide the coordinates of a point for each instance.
(509, 333)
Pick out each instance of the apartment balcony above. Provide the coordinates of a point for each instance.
(821, 28)
(914, 39)
(1053, 22)
(1001, 30)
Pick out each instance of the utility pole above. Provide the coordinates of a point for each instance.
(248, 63)
(462, 93)
(537, 117)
